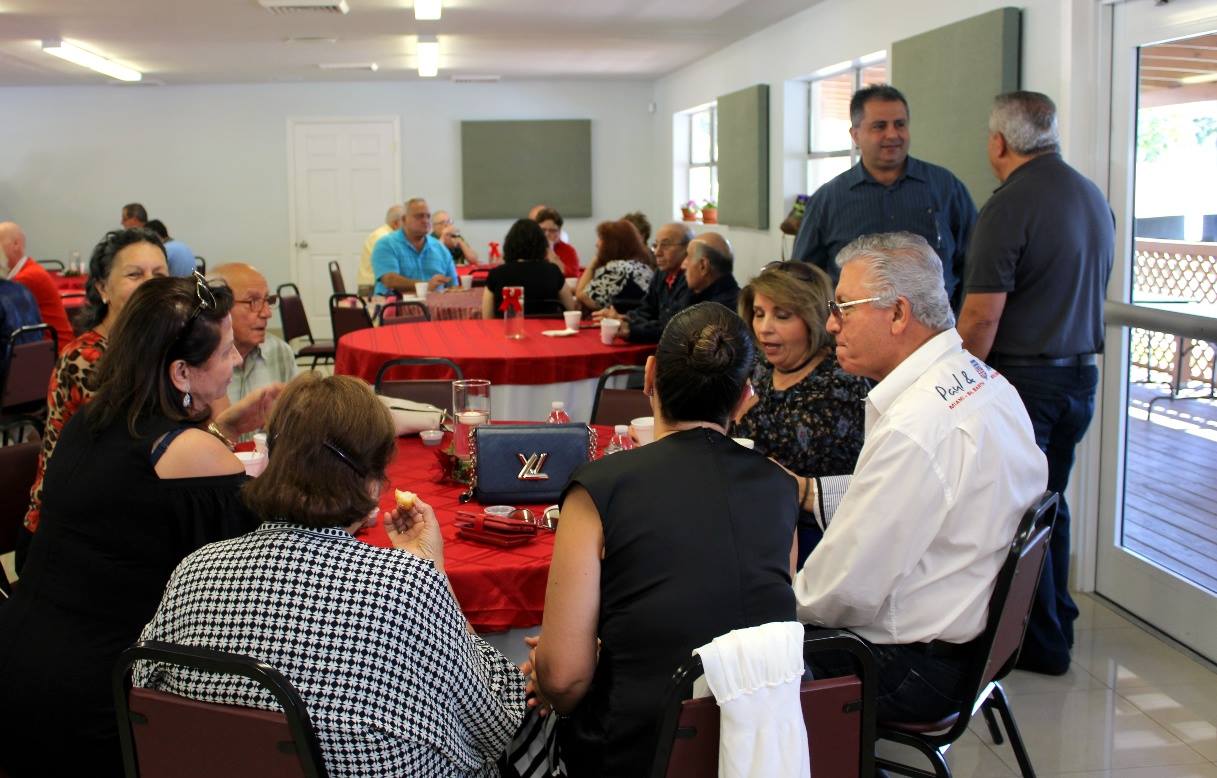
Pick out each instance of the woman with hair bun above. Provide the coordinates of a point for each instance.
(661, 549)
(122, 261)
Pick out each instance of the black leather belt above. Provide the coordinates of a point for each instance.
(1077, 360)
(941, 648)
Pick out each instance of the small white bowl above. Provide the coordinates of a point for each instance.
(431, 437)
(498, 510)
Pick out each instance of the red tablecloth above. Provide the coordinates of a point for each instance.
(498, 588)
(482, 350)
(69, 283)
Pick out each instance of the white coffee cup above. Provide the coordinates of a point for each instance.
(467, 281)
(644, 429)
(420, 290)
(572, 319)
(745, 442)
(608, 330)
(255, 462)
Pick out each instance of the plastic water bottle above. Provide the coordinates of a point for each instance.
(74, 263)
(558, 415)
(620, 441)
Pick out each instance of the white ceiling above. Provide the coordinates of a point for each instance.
(237, 41)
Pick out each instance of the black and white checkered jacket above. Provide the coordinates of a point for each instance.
(371, 637)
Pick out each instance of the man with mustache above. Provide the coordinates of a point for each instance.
(887, 191)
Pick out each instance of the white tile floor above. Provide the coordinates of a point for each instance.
(1131, 706)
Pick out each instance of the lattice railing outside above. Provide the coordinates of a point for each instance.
(1175, 269)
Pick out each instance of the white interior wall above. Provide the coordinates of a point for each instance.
(211, 161)
(829, 32)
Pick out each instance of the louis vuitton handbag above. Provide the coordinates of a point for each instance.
(526, 464)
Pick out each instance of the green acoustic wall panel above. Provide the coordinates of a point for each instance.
(743, 158)
(950, 76)
(507, 167)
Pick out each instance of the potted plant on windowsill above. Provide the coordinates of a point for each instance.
(709, 212)
(689, 211)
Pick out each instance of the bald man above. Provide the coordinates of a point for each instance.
(265, 358)
(446, 232)
(392, 222)
(709, 271)
(20, 268)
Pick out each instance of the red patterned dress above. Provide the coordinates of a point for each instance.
(70, 388)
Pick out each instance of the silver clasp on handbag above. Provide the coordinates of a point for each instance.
(531, 470)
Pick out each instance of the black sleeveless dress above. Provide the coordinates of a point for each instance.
(697, 535)
(111, 534)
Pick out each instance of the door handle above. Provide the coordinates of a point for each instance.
(302, 244)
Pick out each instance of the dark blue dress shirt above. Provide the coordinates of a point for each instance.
(927, 199)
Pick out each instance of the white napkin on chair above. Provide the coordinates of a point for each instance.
(754, 675)
(409, 417)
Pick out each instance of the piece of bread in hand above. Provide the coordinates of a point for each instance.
(405, 500)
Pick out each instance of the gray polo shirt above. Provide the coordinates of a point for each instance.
(1046, 237)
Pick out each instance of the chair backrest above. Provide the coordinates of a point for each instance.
(839, 714)
(165, 734)
(1014, 590)
(18, 466)
(348, 313)
(403, 312)
(619, 406)
(27, 366)
(437, 392)
(291, 313)
(336, 281)
(53, 265)
(1009, 609)
(200, 265)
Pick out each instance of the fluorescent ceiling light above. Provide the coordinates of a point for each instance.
(372, 66)
(427, 10)
(1202, 78)
(428, 56)
(87, 59)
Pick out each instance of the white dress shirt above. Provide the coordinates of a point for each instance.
(913, 545)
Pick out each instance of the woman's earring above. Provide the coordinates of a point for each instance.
(186, 401)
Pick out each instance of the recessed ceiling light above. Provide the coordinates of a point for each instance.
(87, 59)
(428, 56)
(427, 10)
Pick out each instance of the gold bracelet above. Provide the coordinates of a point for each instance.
(214, 429)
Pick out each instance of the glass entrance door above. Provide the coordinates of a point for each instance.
(1157, 551)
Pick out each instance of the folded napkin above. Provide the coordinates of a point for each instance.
(410, 418)
(754, 675)
(559, 333)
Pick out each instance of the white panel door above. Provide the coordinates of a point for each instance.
(344, 174)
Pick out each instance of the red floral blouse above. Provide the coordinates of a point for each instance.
(69, 389)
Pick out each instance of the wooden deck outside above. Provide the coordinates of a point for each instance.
(1170, 486)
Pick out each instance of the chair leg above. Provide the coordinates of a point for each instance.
(991, 721)
(999, 701)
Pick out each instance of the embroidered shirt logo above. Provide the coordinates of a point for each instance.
(531, 467)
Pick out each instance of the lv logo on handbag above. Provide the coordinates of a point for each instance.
(531, 470)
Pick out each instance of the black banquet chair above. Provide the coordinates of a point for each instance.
(434, 391)
(620, 406)
(165, 735)
(295, 325)
(998, 647)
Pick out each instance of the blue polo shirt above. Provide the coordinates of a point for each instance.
(394, 254)
(927, 200)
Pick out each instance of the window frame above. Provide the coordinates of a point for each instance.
(712, 160)
(855, 68)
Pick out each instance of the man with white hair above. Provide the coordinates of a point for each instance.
(445, 231)
(392, 222)
(914, 539)
(407, 256)
(1037, 272)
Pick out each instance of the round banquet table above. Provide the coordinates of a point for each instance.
(498, 588)
(525, 375)
(454, 304)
